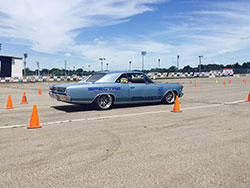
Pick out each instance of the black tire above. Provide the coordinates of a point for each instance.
(169, 98)
(104, 102)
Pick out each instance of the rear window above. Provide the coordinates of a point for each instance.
(95, 77)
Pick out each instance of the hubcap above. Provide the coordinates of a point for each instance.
(170, 97)
(105, 101)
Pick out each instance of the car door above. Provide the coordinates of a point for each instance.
(141, 89)
(122, 83)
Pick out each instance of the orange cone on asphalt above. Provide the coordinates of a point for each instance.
(230, 81)
(34, 120)
(39, 91)
(24, 99)
(248, 100)
(9, 103)
(224, 83)
(191, 82)
(182, 83)
(176, 105)
(195, 84)
(245, 82)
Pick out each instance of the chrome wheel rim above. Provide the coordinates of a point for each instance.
(170, 97)
(104, 101)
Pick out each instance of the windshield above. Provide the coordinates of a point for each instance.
(93, 78)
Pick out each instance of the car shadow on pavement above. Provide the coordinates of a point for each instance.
(88, 107)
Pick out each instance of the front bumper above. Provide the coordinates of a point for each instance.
(59, 97)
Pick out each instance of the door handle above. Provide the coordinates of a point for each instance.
(132, 87)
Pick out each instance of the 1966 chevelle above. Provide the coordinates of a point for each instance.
(104, 89)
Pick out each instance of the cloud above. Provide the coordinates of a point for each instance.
(50, 26)
(67, 54)
(216, 31)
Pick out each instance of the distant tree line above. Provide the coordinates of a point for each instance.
(238, 69)
(57, 72)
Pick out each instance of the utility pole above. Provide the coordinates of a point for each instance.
(143, 53)
(0, 47)
(65, 68)
(89, 67)
(178, 57)
(102, 59)
(25, 55)
(200, 63)
(129, 67)
(159, 63)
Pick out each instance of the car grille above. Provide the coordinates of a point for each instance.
(59, 90)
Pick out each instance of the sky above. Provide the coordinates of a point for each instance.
(82, 31)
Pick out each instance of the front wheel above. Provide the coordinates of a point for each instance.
(104, 102)
(169, 98)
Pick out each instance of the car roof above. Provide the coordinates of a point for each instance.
(113, 75)
(120, 72)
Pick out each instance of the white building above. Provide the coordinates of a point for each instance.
(11, 66)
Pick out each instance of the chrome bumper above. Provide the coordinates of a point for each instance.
(59, 97)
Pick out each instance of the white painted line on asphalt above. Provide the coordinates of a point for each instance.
(12, 126)
(234, 102)
(24, 108)
(125, 115)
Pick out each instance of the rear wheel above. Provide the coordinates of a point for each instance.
(169, 98)
(104, 102)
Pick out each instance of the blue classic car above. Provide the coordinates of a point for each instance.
(103, 89)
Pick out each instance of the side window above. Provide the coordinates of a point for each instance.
(148, 80)
(136, 78)
(122, 79)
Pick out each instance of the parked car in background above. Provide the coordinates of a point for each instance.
(103, 89)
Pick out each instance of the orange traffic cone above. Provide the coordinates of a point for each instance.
(176, 105)
(191, 82)
(195, 84)
(248, 100)
(182, 83)
(24, 99)
(34, 120)
(245, 82)
(230, 81)
(39, 91)
(9, 103)
(224, 83)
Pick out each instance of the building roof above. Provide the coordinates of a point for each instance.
(12, 56)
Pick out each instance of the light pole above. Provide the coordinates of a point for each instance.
(159, 63)
(102, 59)
(38, 68)
(89, 67)
(65, 66)
(25, 55)
(130, 62)
(143, 53)
(200, 63)
(178, 57)
(0, 47)
(107, 66)
(82, 70)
